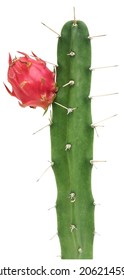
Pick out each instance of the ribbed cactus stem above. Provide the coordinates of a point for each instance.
(72, 143)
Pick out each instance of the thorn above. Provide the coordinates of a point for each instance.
(102, 95)
(69, 110)
(51, 116)
(73, 227)
(99, 126)
(72, 197)
(51, 164)
(93, 125)
(94, 161)
(67, 147)
(102, 67)
(95, 166)
(52, 207)
(51, 29)
(71, 83)
(41, 129)
(61, 105)
(96, 233)
(97, 36)
(54, 236)
(96, 129)
(96, 132)
(80, 250)
(55, 73)
(34, 55)
(55, 65)
(74, 22)
(71, 53)
(49, 124)
(96, 204)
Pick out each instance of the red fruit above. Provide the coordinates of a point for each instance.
(32, 82)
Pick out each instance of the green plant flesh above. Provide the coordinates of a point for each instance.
(72, 143)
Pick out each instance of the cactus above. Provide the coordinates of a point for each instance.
(71, 131)
(72, 143)
(71, 128)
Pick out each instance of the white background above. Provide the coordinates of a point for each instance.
(26, 224)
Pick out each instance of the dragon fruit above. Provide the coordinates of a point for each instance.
(32, 82)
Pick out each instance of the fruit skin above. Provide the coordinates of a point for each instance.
(72, 143)
(32, 82)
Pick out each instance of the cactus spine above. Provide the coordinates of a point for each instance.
(72, 143)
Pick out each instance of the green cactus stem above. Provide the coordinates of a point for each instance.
(72, 143)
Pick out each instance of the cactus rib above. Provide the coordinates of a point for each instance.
(72, 143)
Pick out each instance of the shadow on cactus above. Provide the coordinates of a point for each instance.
(71, 133)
